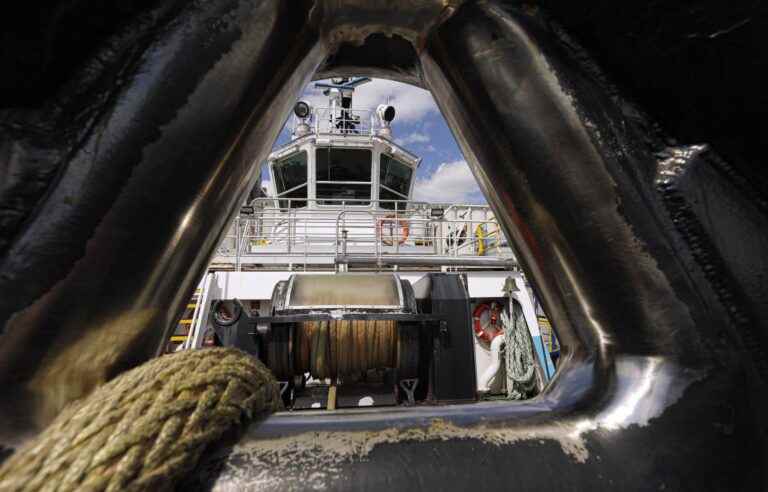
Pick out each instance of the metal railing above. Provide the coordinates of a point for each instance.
(342, 121)
(391, 229)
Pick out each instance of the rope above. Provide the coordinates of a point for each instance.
(145, 429)
(341, 348)
(518, 355)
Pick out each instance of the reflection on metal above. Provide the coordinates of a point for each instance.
(650, 381)
(115, 250)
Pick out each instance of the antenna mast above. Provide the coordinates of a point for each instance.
(340, 92)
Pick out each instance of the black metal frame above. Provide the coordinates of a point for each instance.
(438, 336)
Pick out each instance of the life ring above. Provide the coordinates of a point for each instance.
(391, 219)
(483, 332)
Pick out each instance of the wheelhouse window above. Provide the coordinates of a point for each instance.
(343, 175)
(394, 182)
(291, 180)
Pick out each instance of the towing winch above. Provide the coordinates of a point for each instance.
(360, 339)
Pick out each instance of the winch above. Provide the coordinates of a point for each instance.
(360, 339)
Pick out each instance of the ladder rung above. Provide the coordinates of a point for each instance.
(185, 322)
(178, 338)
(191, 306)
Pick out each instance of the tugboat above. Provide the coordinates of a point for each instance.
(353, 293)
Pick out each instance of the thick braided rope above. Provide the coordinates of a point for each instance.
(146, 428)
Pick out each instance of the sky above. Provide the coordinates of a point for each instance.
(443, 175)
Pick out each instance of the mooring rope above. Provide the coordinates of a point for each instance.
(518, 355)
(143, 430)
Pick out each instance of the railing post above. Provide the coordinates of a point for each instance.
(377, 232)
(471, 233)
(397, 227)
(237, 244)
(336, 234)
(290, 227)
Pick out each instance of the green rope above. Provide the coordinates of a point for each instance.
(146, 428)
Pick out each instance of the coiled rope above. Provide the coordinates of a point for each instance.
(143, 430)
(518, 355)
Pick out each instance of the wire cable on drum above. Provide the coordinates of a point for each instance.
(329, 349)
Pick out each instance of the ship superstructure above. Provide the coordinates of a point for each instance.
(353, 293)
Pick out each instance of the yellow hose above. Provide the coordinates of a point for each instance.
(480, 235)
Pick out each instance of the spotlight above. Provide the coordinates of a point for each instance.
(302, 110)
(386, 113)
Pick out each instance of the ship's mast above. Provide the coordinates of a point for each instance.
(340, 91)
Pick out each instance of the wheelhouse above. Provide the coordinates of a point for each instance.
(352, 170)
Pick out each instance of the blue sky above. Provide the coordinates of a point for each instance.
(443, 175)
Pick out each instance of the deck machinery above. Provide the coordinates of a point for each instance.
(353, 294)
(360, 339)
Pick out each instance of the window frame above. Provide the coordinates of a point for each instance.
(278, 195)
(363, 203)
(381, 185)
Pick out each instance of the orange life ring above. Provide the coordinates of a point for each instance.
(391, 219)
(483, 332)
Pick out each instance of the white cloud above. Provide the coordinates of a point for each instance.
(451, 182)
(411, 103)
(414, 137)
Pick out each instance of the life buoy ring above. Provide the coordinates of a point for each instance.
(482, 331)
(391, 220)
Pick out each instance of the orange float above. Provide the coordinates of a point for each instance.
(484, 331)
(392, 220)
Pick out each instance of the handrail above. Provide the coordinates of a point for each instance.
(272, 234)
(343, 121)
(341, 215)
(199, 318)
